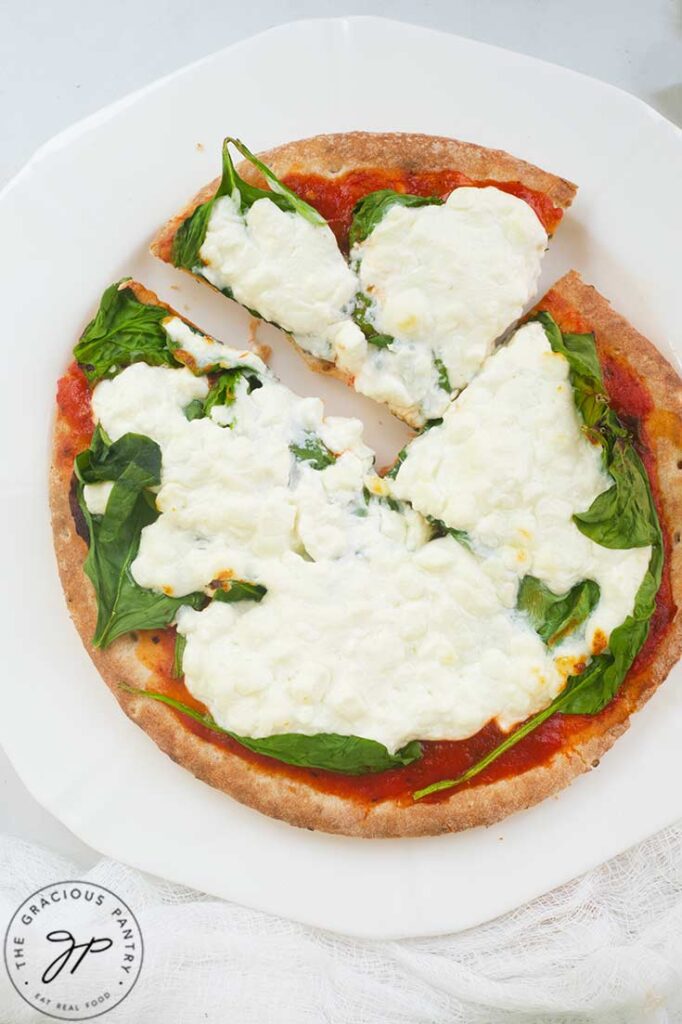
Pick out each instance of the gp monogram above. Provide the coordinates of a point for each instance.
(73, 950)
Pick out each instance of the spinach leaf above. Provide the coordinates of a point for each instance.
(622, 517)
(373, 207)
(195, 410)
(555, 616)
(190, 235)
(441, 530)
(106, 461)
(222, 392)
(278, 194)
(314, 451)
(124, 331)
(240, 590)
(114, 538)
(443, 379)
(361, 316)
(399, 459)
(347, 755)
(380, 340)
(177, 670)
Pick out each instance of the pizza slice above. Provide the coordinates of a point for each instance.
(468, 650)
(393, 261)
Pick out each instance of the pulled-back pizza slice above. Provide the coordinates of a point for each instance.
(393, 261)
(376, 657)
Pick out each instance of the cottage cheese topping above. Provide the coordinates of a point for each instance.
(279, 264)
(510, 465)
(411, 645)
(206, 353)
(352, 584)
(97, 495)
(446, 282)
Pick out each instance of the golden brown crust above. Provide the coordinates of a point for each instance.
(294, 800)
(335, 155)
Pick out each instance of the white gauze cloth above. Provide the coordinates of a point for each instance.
(604, 948)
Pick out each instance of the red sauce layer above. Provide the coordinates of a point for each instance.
(335, 198)
(75, 408)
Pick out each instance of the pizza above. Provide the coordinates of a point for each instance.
(396, 654)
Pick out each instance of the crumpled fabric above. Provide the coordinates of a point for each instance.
(604, 948)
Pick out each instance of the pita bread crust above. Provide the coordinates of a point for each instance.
(335, 155)
(293, 800)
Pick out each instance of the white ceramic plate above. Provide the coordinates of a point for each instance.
(79, 216)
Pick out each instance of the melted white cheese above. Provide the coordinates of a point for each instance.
(367, 627)
(510, 465)
(411, 645)
(205, 352)
(281, 265)
(446, 282)
(97, 495)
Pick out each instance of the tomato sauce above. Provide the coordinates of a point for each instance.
(74, 404)
(335, 198)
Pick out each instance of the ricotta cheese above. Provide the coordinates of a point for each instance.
(446, 281)
(97, 495)
(205, 353)
(510, 466)
(279, 264)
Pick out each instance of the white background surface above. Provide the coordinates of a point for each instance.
(63, 60)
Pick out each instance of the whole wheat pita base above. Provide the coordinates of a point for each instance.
(303, 804)
(335, 155)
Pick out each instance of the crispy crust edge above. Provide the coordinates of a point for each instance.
(295, 801)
